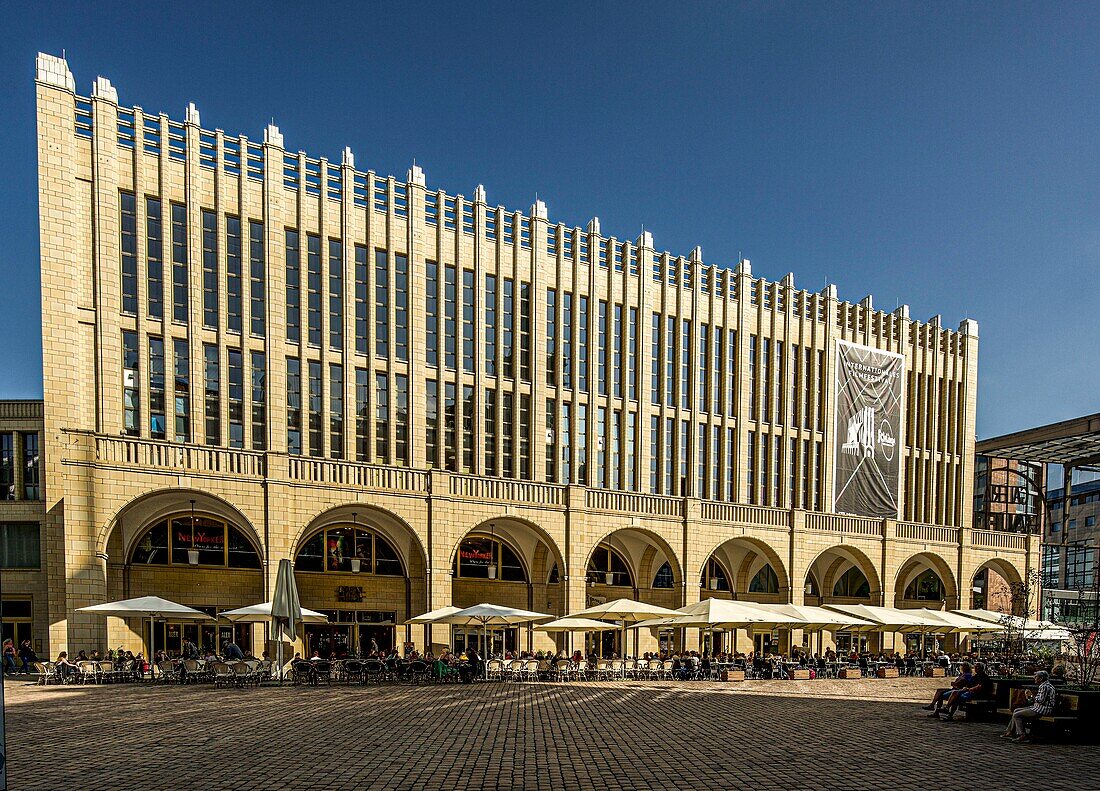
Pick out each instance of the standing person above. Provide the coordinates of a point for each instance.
(27, 655)
(1042, 705)
(9, 658)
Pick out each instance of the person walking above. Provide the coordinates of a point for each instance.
(27, 656)
(9, 658)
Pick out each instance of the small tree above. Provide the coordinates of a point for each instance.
(1023, 608)
(1083, 626)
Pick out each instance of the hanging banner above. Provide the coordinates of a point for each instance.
(867, 439)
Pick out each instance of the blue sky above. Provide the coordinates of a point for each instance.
(940, 155)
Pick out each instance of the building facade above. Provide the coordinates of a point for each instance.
(422, 399)
(1069, 572)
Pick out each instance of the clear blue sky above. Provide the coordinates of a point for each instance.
(944, 155)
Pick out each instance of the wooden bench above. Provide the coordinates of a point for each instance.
(1065, 716)
(978, 709)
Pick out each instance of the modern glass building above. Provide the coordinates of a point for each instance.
(252, 353)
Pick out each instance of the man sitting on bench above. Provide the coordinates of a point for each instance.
(980, 688)
(963, 681)
(1042, 705)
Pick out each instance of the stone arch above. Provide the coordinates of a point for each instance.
(644, 551)
(915, 566)
(537, 550)
(831, 563)
(996, 593)
(742, 558)
(117, 538)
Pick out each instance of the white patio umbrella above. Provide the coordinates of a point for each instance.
(728, 614)
(430, 617)
(151, 607)
(261, 613)
(629, 611)
(286, 609)
(816, 619)
(486, 615)
(957, 623)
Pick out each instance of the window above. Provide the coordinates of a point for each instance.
(381, 304)
(259, 401)
(362, 414)
(154, 257)
(450, 427)
(20, 545)
(655, 359)
(293, 405)
(524, 470)
(181, 356)
(449, 316)
(507, 419)
(608, 567)
(432, 313)
(1080, 568)
(926, 587)
(601, 350)
(401, 432)
(468, 417)
(257, 273)
(31, 479)
(582, 339)
(212, 393)
(313, 289)
(180, 306)
(431, 422)
(128, 251)
(131, 393)
(704, 367)
(714, 577)
(7, 466)
(663, 578)
(209, 269)
(582, 444)
(468, 320)
(184, 538)
(852, 584)
(764, 581)
(336, 411)
(567, 340)
(361, 299)
(525, 315)
(351, 549)
(752, 378)
(551, 337)
(233, 286)
(335, 294)
(487, 558)
(381, 419)
(490, 432)
(316, 430)
(236, 398)
(551, 444)
(617, 347)
(401, 306)
(1051, 568)
(490, 322)
(632, 354)
(156, 388)
(293, 288)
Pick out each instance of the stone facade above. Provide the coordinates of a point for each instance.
(363, 351)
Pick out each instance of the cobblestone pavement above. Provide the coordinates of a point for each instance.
(850, 735)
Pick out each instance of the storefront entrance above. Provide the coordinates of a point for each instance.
(499, 640)
(169, 636)
(351, 633)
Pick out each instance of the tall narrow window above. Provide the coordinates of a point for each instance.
(381, 304)
(632, 353)
(601, 351)
(235, 394)
(450, 427)
(449, 317)
(316, 406)
(631, 482)
(670, 361)
(601, 447)
(717, 368)
(700, 487)
(362, 315)
(668, 454)
(525, 316)
(704, 367)
(7, 466)
(490, 432)
(524, 470)
(293, 405)
(820, 392)
(156, 388)
(567, 340)
(817, 475)
(765, 483)
(654, 457)
(731, 480)
(131, 390)
(362, 414)
(780, 379)
(752, 379)
(313, 288)
(777, 474)
(655, 361)
(381, 419)
(401, 307)
(181, 357)
(468, 320)
(431, 317)
(617, 346)
(212, 390)
(551, 338)
(431, 423)
(715, 466)
(750, 467)
(233, 285)
(259, 401)
(401, 420)
(731, 373)
(565, 442)
(507, 420)
(336, 411)
(582, 444)
(685, 365)
(582, 343)
(180, 306)
(293, 287)
(335, 294)
(128, 251)
(685, 431)
(31, 467)
(257, 288)
(154, 257)
(210, 288)
(551, 440)
(490, 325)
(615, 440)
(796, 387)
(469, 415)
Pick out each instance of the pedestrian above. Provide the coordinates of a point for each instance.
(27, 654)
(9, 658)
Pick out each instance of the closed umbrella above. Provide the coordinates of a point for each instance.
(286, 610)
(151, 607)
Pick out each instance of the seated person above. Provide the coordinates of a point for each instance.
(981, 688)
(1042, 705)
(964, 680)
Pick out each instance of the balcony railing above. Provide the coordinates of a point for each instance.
(932, 533)
(631, 503)
(856, 525)
(478, 488)
(173, 456)
(355, 475)
(731, 513)
(995, 539)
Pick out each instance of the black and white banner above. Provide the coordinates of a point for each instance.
(867, 440)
